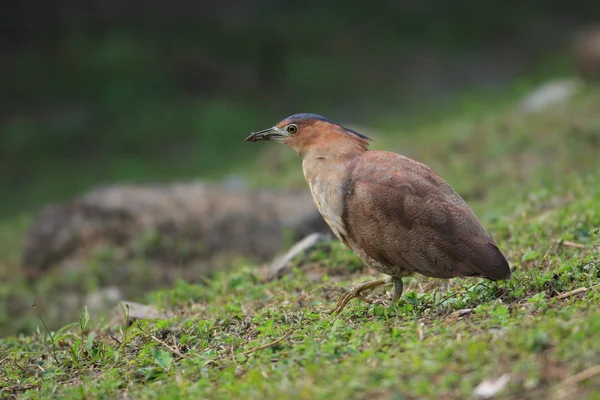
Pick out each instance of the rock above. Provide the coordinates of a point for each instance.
(586, 46)
(491, 387)
(135, 311)
(461, 313)
(283, 264)
(549, 94)
(177, 224)
(235, 182)
(103, 299)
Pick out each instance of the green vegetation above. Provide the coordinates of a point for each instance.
(535, 182)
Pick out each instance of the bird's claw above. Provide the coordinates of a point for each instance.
(355, 292)
(344, 299)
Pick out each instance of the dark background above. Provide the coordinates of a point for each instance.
(103, 91)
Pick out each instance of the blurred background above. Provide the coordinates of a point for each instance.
(106, 92)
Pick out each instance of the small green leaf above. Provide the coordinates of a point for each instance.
(411, 297)
(85, 318)
(163, 359)
(90, 341)
(162, 324)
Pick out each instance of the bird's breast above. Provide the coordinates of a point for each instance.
(327, 193)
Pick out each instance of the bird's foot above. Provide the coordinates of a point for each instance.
(356, 291)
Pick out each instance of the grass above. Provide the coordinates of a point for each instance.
(533, 179)
(237, 336)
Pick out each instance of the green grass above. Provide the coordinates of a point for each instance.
(535, 182)
(529, 327)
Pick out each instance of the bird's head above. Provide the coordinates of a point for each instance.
(306, 132)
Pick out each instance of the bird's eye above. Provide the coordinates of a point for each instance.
(292, 128)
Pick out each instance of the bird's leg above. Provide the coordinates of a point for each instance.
(398, 288)
(356, 291)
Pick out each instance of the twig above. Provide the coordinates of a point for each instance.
(568, 243)
(4, 359)
(579, 377)
(175, 344)
(115, 339)
(264, 346)
(15, 389)
(575, 292)
(547, 252)
(446, 299)
(173, 350)
(41, 369)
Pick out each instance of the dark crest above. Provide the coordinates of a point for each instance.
(317, 117)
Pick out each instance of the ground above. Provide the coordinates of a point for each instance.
(533, 180)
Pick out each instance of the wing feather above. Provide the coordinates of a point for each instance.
(404, 215)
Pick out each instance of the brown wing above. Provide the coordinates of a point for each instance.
(402, 214)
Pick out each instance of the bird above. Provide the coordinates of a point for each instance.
(396, 214)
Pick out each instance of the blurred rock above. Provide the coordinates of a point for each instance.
(135, 311)
(171, 225)
(549, 94)
(235, 182)
(491, 387)
(586, 45)
(104, 298)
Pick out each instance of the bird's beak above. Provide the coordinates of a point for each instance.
(273, 133)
